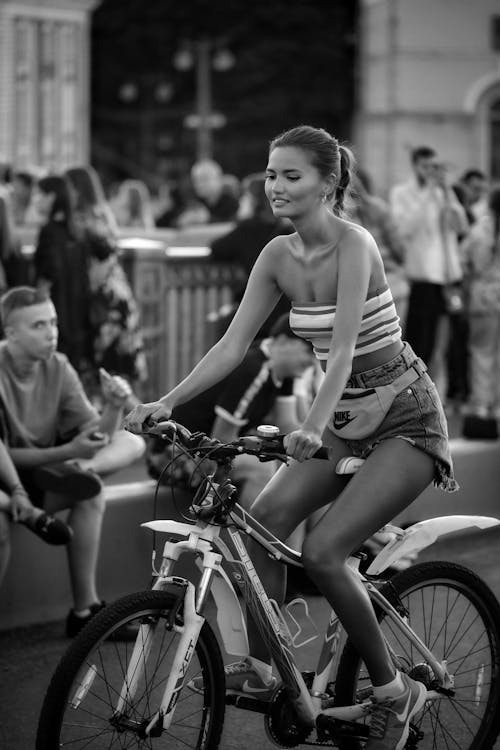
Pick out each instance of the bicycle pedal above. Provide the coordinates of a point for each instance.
(246, 703)
(414, 737)
(341, 729)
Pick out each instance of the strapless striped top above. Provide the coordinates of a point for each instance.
(379, 326)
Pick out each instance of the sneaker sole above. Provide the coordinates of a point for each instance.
(419, 704)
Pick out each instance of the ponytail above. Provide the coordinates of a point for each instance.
(344, 181)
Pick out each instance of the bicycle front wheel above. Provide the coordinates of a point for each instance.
(101, 696)
(458, 618)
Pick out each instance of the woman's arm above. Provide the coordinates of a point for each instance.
(261, 296)
(355, 267)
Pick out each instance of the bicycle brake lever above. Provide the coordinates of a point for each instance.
(263, 457)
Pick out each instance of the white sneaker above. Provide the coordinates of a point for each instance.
(390, 719)
(241, 679)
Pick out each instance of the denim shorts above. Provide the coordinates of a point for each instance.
(416, 415)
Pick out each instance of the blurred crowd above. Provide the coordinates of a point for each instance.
(438, 233)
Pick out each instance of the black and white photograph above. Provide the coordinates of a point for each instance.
(249, 374)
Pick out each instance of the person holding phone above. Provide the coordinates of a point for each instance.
(60, 445)
(429, 219)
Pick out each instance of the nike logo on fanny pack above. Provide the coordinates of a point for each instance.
(342, 420)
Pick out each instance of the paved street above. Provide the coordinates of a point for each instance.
(28, 657)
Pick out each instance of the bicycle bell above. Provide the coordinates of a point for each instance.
(268, 430)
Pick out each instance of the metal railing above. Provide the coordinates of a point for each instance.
(176, 294)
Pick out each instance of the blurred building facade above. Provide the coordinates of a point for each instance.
(429, 74)
(44, 82)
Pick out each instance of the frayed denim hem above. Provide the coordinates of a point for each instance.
(443, 479)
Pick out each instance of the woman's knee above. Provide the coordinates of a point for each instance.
(320, 556)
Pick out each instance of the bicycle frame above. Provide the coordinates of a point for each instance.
(203, 540)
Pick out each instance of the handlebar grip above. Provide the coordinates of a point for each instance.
(168, 428)
(322, 453)
(149, 423)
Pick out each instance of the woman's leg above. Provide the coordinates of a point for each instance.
(389, 480)
(293, 494)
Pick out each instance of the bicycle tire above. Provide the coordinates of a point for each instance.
(474, 657)
(97, 656)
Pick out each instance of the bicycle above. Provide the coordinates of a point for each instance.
(441, 623)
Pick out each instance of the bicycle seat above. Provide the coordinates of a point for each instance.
(349, 465)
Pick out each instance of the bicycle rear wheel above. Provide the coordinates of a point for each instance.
(80, 707)
(458, 618)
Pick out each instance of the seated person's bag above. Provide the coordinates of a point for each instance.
(361, 411)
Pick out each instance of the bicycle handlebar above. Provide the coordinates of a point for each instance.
(265, 448)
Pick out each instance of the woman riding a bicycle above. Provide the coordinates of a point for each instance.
(376, 402)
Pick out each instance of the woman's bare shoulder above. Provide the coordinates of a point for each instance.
(354, 232)
(278, 246)
(355, 237)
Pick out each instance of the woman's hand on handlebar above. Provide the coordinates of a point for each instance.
(302, 444)
(154, 411)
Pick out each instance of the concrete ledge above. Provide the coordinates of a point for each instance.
(36, 587)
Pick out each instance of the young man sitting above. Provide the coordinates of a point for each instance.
(59, 444)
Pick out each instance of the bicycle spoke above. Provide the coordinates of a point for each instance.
(104, 679)
(456, 616)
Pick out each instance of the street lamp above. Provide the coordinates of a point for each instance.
(199, 53)
(153, 93)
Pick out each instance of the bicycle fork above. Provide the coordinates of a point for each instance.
(192, 602)
(189, 632)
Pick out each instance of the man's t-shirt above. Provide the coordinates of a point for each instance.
(244, 397)
(46, 407)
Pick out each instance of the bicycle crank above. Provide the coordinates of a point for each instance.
(281, 722)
